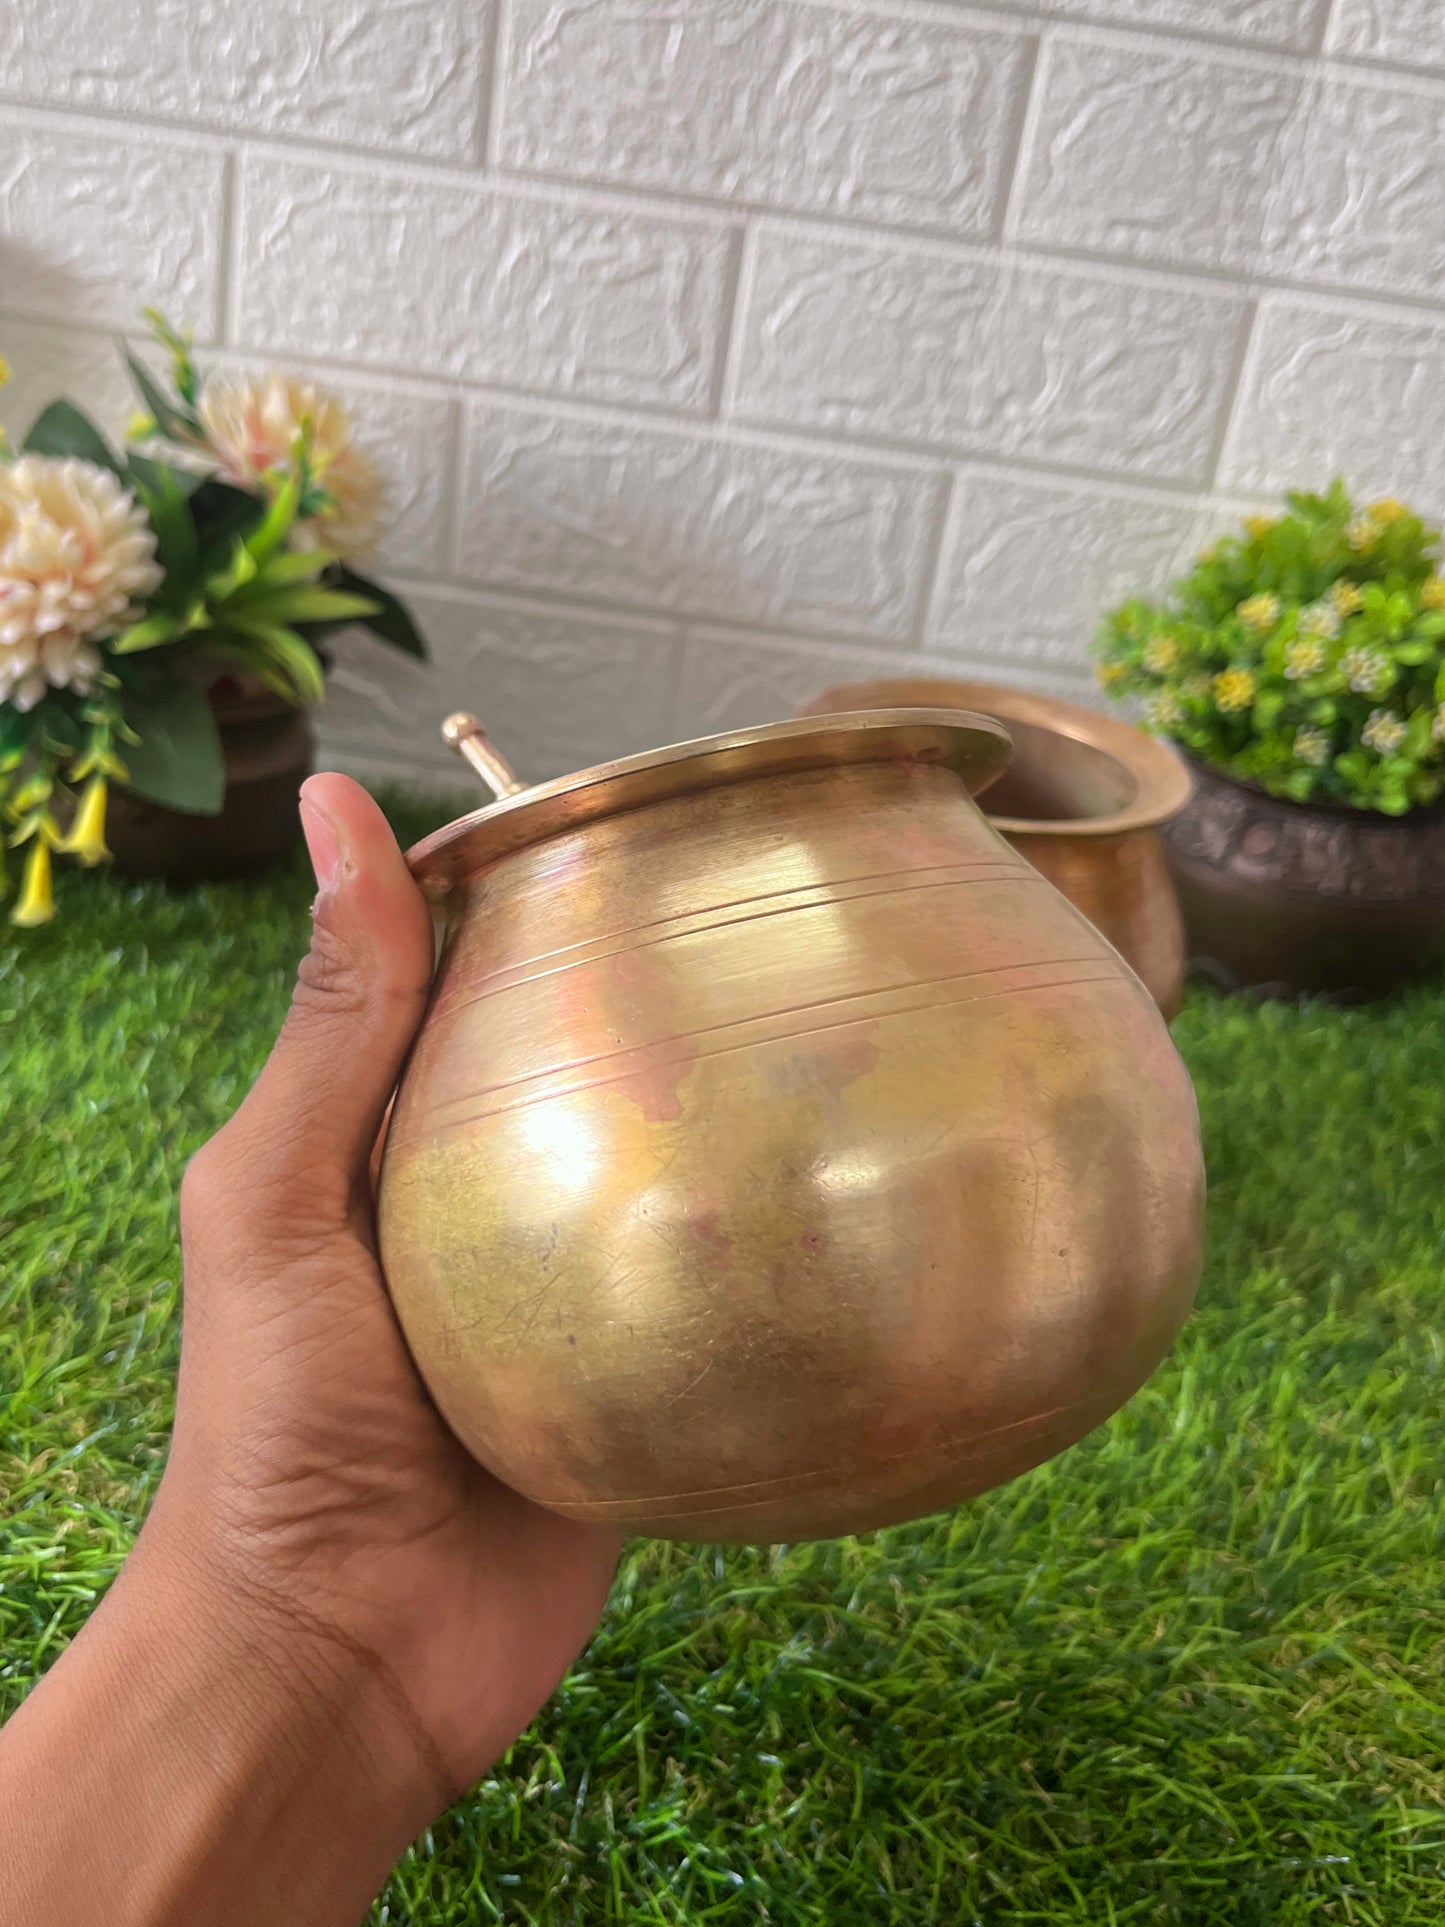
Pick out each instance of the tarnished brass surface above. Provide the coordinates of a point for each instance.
(1083, 800)
(781, 1156)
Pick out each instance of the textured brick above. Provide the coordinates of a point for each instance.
(986, 357)
(1030, 566)
(1290, 24)
(1349, 394)
(732, 682)
(1411, 31)
(398, 271)
(94, 226)
(558, 691)
(611, 511)
(1208, 163)
(763, 100)
(47, 362)
(405, 75)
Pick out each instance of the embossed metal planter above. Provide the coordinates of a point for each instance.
(781, 1156)
(1301, 897)
(1083, 801)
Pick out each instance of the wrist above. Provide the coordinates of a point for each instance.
(254, 1766)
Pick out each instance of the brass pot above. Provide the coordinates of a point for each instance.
(1083, 800)
(781, 1156)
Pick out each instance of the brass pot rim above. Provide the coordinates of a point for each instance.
(976, 747)
(1161, 773)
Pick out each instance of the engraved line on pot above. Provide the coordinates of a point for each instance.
(955, 1451)
(889, 1000)
(813, 896)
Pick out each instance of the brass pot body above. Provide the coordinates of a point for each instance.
(1083, 800)
(781, 1156)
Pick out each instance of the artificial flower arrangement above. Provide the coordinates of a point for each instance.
(225, 534)
(1306, 656)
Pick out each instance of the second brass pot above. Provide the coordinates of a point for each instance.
(781, 1156)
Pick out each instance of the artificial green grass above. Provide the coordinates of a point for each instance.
(1193, 1671)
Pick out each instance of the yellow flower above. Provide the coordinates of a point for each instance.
(251, 428)
(1387, 510)
(1432, 593)
(1161, 655)
(1346, 597)
(4, 371)
(1233, 690)
(1304, 658)
(1260, 612)
(1363, 531)
(37, 901)
(1110, 673)
(1258, 526)
(86, 840)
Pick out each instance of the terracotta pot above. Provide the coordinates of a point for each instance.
(1082, 800)
(780, 1155)
(268, 747)
(1304, 896)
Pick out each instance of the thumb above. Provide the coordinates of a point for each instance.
(306, 1130)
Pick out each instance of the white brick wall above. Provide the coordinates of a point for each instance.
(718, 352)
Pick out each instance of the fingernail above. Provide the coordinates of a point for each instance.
(323, 844)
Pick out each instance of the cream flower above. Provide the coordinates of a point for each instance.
(1320, 621)
(1312, 746)
(1432, 593)
(1163, 710)
(1366, 670)
(1383, 732)
(76, 556)
(250, 427)
(1161, 655)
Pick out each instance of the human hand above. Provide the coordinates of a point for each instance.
(357, 1584)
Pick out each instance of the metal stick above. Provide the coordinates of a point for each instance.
(465, 735)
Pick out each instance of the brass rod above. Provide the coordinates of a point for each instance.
(466, 736)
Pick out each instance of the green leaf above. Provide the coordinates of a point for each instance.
(284, 661)
(239, 570)
(169, 419)
(165, 499)
(149, 633)
(222, 515)
(275, 524)
(62, 430)
(393, 621)
(295, 565)
(304, 604)
(178, 760)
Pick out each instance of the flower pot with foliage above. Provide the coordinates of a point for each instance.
(163, 613)
(1301, 668)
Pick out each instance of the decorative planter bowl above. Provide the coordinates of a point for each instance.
(268, 747)
(1294, 897)
(780, 1156)
(1083, 801)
